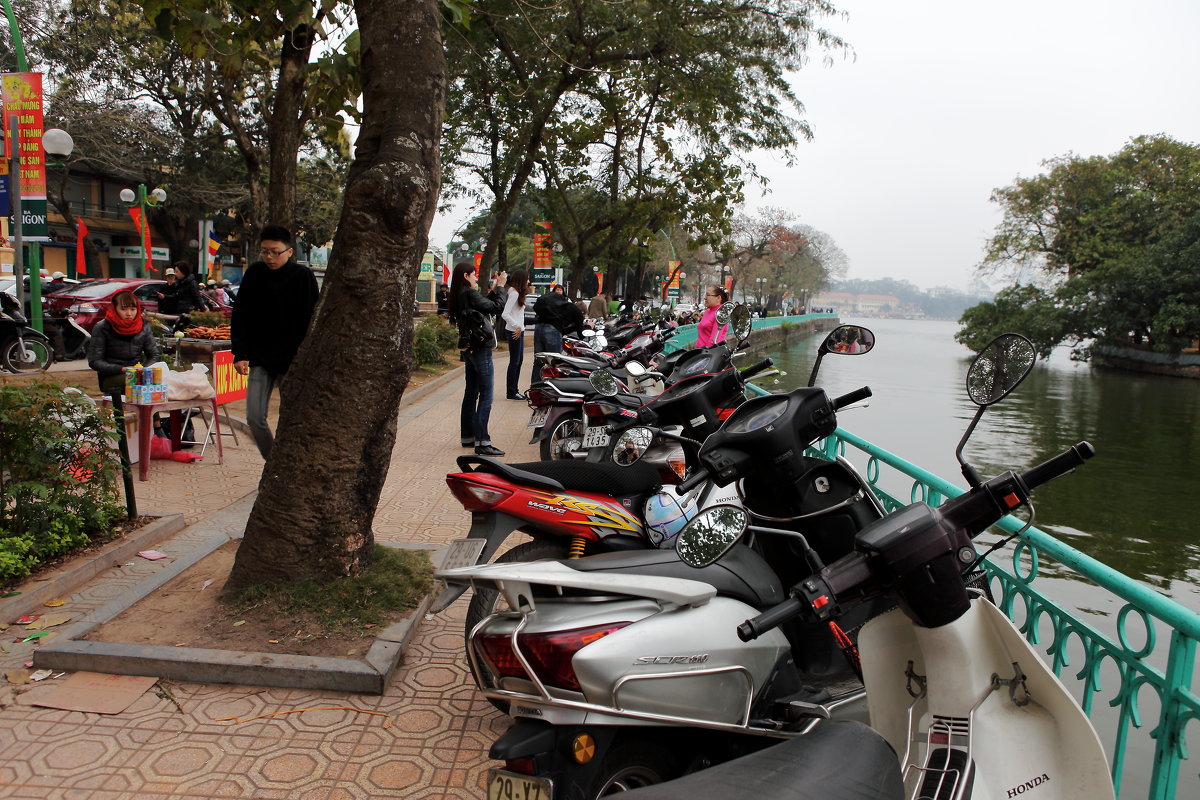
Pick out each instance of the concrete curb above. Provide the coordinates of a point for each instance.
(367, 675)
(70, 579)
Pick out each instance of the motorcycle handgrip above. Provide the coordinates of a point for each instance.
(692, 481)
(1058, 466)
(754, 369)
(771, 618)
(851, 397)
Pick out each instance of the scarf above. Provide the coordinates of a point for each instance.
(121, 326)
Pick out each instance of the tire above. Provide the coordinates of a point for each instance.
(631, 765)
(38, 356)
(564, 439)
(484, 601)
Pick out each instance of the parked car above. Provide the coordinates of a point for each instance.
(91, 300)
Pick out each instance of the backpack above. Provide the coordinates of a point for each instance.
(475, 330)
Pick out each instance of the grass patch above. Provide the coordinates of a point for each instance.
(396, 581)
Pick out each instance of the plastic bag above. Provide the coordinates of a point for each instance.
(160, 447)
(190, 385)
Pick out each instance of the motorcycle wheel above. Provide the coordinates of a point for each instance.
(484, 602)
(632, 765)
(565, 439)
(38, 356)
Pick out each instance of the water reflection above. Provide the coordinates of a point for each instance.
(1130, 507)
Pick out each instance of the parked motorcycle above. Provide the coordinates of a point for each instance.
(598, 656)
(965, 704)
(22, 348)
(68, 338)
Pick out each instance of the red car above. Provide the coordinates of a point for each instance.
(90, 300)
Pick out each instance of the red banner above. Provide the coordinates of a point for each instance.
(543, 251)
(230, 384)
(142, 226)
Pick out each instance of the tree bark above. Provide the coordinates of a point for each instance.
(337, 424)
(288, 118)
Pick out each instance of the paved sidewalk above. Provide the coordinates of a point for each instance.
(440, 729)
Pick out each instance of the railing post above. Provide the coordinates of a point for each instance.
(1168, 736)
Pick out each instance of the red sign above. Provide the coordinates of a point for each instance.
(231, 385)
(543, 252)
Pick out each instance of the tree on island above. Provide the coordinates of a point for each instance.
(1115, 245)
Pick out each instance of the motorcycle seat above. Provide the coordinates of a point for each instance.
(741, 573)
(839, 760)
(584, 476)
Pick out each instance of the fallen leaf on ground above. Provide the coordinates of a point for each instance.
(49, 621)
(17, 676)
(239, 622)
(55, 603)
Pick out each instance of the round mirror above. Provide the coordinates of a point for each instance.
(588, 333)
(600, 341)
(635, 369)
(632, 445)
(724, 313)
(999, 368)
(740, 320)
(849, 340)
(603, 382)
(710, 535)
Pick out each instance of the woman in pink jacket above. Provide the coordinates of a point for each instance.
(707, 333)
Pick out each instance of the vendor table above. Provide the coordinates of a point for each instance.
(146, 412)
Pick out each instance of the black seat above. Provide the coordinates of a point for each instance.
(842, 760)
(741, 574)
(584, 476)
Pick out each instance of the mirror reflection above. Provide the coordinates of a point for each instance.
(710, 535)
(724, 313)
(632, 445)
(603, 382)
(740, 321)
(849, 340)
(999, 368)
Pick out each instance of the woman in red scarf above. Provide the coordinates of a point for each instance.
(122, 339)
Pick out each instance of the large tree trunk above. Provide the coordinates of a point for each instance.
(287, 126)
(337, 424)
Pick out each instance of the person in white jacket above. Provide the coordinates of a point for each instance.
(514, 326)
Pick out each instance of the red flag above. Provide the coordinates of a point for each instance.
(143, 228)
(81, 232)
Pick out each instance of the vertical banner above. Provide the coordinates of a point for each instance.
(230, 384)
(673, 271)
(426, 267)
(213, 250)
(142, 226)
(21, 94)
(543, 256)
(81, 234)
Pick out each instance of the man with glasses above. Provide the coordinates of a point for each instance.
(270, 319)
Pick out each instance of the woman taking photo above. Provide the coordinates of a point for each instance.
(473, 313)
(514, 326)
(122, 339)
(707, 333)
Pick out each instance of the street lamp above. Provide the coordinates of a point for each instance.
(154, 199)
(760, 282)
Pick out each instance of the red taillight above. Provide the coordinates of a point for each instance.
(595, 410)
(476, 496)
(524, 766)
(549, 654)
(559, 372)
(540, 397)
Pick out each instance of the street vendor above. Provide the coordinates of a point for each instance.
(122, 339)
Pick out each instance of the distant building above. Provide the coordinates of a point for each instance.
(863, 305)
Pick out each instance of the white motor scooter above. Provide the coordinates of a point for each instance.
(967, 706)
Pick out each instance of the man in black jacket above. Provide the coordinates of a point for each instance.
(270, 320)
(556, 315)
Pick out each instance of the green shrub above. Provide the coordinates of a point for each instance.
(432, 337)
(58, 476)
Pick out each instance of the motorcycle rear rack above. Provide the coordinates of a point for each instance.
(543, 696)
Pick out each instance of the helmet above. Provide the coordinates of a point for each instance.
(666, 514)
(57, 275)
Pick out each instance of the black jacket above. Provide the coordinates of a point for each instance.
(271, 317)
(187, 296)
(554, 309)
(489, 306)
(109, 352)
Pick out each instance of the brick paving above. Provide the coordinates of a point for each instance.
(431, 730)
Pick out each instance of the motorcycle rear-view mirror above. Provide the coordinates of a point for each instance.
(999, 368)
(740, 322)
(996, 371)
(844, 340)
(632, 445)
(635, 368)
(588, 333)
(710, 535)
(603, 383)
(724, 313)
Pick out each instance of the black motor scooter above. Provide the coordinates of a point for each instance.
(22, 349)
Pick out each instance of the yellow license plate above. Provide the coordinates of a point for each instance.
(513, 786)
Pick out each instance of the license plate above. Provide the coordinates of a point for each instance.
(538, 417)
(512, 786)
(595, 437)
(463, 553)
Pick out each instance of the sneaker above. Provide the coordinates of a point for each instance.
(517, 396)
(488, 450)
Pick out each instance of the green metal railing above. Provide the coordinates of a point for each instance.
(1139, 668)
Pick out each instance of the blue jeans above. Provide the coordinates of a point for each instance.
(258, 395)
(516, 357)
(546, 339)
(477, 399)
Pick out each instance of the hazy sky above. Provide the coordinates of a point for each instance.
(941, 102)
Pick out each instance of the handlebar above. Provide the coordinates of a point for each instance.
(1058, 466)
(851, 397)
(754, 369)
(693, 480)
(771, 618)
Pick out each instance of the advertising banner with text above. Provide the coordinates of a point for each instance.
(230, 384)
(21, 94)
